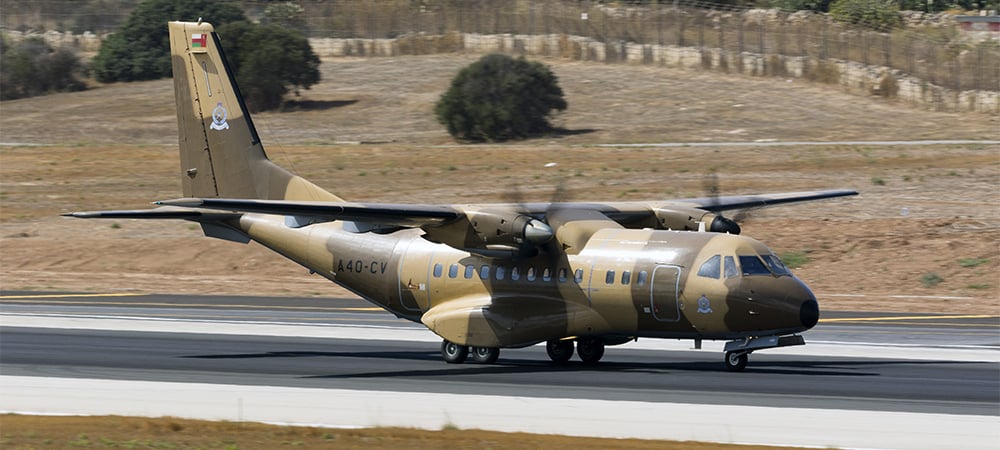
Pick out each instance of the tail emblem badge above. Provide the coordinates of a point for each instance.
(219, 116)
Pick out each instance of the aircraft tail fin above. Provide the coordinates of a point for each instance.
(221, 153)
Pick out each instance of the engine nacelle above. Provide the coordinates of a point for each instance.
(495, 231)
(686, 219)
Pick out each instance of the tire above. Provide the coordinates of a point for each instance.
(559, 351)
(590, 350)
(485, 355)
(736, 361)
(453, 353)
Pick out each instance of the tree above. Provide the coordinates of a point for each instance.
(268, 61)
(32, 67)
(876, 14)
(499, 98)
(140, 49)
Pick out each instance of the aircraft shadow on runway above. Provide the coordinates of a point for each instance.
(811, 367)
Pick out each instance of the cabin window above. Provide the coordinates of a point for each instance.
(500, 272)
(752, 265)
(484, 272)
(641, 279)
(453, 271)
(578, 276)
(515, 273)
(547, 274)
(563, 275)
(609, 278)
(731, 270)
(469, 270)
(711, 268)
(626, 277)
(438, 269)
(531, 274)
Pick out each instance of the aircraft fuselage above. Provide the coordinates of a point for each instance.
(624, 283)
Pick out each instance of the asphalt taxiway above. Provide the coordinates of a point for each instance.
(894, 365)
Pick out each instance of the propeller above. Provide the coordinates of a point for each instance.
(720, 223)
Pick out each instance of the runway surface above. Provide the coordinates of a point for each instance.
(876, 362)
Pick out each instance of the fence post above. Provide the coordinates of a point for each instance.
(887, 49)
(823, 50)
(680, 27)
(659, 23)
(760, 37)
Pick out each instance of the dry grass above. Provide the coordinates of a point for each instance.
(39, 432)
(122, 154)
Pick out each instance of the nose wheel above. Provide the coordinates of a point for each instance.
(737, 361)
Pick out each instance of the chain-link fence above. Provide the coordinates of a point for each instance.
(937, 55)
(933, 64)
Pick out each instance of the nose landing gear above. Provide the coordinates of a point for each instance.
(737, 361)
(738, 351)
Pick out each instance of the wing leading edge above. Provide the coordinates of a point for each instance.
(417, 215)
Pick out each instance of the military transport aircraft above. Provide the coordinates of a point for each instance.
(486, 276)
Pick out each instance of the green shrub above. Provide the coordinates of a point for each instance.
(876, 14)
(32, 67)
(795, 260)
(930, 279)
(972, 262)
(499, 98)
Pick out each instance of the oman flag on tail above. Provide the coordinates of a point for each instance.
(199, 40)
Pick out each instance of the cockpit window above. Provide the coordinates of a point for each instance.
(752, 265)
(731, 271)
(711, 268)
(774, 263)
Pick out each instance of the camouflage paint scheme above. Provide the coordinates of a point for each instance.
(483, 276)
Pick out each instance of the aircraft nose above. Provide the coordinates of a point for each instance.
(809, 313)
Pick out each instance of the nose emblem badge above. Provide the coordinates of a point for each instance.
(704, 305)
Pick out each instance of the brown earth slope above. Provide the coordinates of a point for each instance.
(923, 235)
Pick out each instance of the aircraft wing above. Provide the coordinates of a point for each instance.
(726, 203)
(417, 215)
(379, 213)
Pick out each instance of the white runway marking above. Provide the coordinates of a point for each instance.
(576, 417)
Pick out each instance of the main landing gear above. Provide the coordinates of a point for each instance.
(590, 350)
(453, 353)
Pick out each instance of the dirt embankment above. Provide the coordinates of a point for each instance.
(923, 236)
